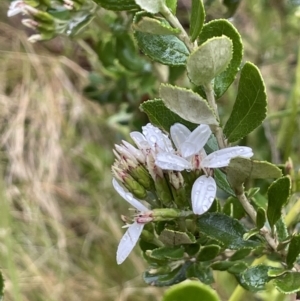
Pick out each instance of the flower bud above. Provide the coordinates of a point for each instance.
(133, 186)
(140, 174)
(163, 191)
(165, 214)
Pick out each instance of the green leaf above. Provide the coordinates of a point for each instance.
(278, 195)
(281, 230)
(148, 24)
(288, 283)
(224, 229)
(176, 238)
(293, 250)
(192, 249)
(222, 182)
(172, 4)
(117, 5)
(165, 49)
(153, 6)
(209, 60)
(197, 19)
(170, 278)
(260, 218)
(256, 277)
(238, 268)
(160, 116)
(240, 254)
(241, 169)
(187, 104)
(208, 252)
(190, 291)
(251, 233)
(219, 28)
(173, 253)
(234, 208)
(200, 271)
(250, 106)
(222, 265)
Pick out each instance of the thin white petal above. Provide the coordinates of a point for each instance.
(155, 137)
(139, 139)
(179, 133)
(203, 194)
(128, 241)
(169, 161)
(222, 157)
(195, 141)
(127, 196)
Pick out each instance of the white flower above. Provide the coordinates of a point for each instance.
(16, 7)
(190, 145)
(134, 230)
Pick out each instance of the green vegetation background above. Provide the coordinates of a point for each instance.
(59, 218)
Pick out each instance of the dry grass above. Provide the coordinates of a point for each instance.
(59, 219)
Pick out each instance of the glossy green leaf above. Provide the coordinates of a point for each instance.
(278, 195)
(234, 208)
(256, 277)
(153, 6)
(160, 116)
(224, 229)
(288, 283)
(293, 250)
(170, 278)
(190, 291)
(208, 252)
(219, 28)
(222, 265)
(165, 49)
(173, 253)
(250, 106)
(175, 238)
(240, 254)
(148, 24)
(260, 217)
(241, 169)
(209, 60)
(187, 104)
(117, 5)
(200, 271)
(197, 19)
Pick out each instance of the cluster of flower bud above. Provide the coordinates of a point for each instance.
(171, 179)
(52, 17)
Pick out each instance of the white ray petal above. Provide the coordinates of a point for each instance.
(155, 137)
(135, 152)
(222, 157)
(169, 161)
(127, 196)
(139, 139)
(179, 133)
(195, 141)
(203, 194)
(128, 241)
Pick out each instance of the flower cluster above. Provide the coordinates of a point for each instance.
(154, 171)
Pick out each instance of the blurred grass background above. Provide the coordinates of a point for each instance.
(59, 218)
